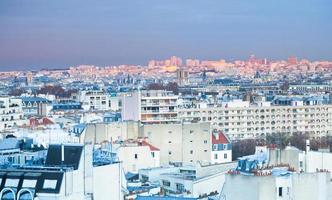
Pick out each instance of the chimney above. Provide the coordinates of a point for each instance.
(62, 153)
(307, 146)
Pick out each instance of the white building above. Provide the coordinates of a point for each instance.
(195, 181)
(221, 148)
(69, 173)
(153, 106)
(94, 100)
(302, 161)
(11, 113)
(240, 120)
(136, 155)
(295, 186)
(180, 143)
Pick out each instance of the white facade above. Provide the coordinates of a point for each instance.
(135, 157)
(296, 186)
(180, 143)
(154, 106)
(259, 121)
(94, 100)
(11, 113)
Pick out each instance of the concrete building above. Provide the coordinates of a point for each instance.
(94, 100)
(180, 143)
(11, 113)
(107, 132)
(302, 161)
(240, 120)
(70, 172)
(137, 154)
(196, 181)
(284, 186)
(153, 106)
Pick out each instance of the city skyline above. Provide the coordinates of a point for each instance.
(39, 35)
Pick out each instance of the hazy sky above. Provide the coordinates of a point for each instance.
(59, 33)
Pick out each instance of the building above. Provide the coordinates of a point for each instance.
(153, 106)
(197, 181)
(137, 154)
(11, 113)
(182, 77)
(180, 143)
(240, 120)
(94, 100)
(33, 106)
(302, 161)
(278, 185)
(70, 172)
(221, 148)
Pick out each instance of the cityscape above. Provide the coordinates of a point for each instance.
(180, 125)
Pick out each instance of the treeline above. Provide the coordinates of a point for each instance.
(281, 140)
(56, 90)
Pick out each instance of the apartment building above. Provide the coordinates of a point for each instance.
(240, 119)
(153, 106)
(136, 155)
(180, 143)
(11, 113)
(94, 100)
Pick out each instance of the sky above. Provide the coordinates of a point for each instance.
(38, 34)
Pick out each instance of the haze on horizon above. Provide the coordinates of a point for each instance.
(38, 34)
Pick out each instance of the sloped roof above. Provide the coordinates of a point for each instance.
(222, 139)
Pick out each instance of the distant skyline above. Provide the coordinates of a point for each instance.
(39, 34)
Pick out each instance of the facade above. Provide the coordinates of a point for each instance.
(136, 155)
(94, 100)
(180, 143)
(11, 113)
(153, 106)
(240, 120)
(69, 172)
(198, 181)
(296, 186)
(221, 148)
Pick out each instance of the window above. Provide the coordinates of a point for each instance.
(152, 153)
(169, 153)
(191, 131)
(280, 191)
(169, 142)
(225, 155)
(49, 184)
(180, 187)
(205, 141)
(191, 151)
(136, 156)
(215, 156)
(166, 183)
(301, 163)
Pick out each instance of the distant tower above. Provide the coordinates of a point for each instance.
(29, 78)
(204, 77)
(182, 76)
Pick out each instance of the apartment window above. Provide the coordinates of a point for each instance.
(215, 156)
(225, 155)
(136, 156)
(301, 163)
(152, 153)
(191, 151)
(180, 187)
(280, 191)
(205, 141)
(166, 183)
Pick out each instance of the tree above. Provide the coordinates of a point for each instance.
(243, 148)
